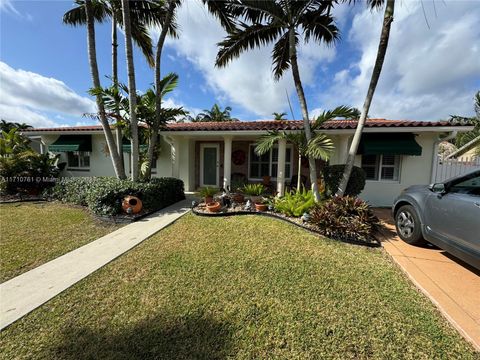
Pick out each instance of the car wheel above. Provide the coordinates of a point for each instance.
(408, 225)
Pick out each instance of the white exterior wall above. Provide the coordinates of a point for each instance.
(101, 163)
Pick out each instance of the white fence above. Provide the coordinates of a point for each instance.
(445, 169)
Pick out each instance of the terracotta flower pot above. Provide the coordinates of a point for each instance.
(214, 206)
(131, 204)
(238, 198)
(261, 207)
(208, 199)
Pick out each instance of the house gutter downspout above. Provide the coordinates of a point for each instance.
(450, 136)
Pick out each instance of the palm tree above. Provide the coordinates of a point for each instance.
(7, 126)
(377, 69)
(131, 88)
(280, 22)
(143, 13)
(319, 147)
(215, 114)
(92, 57)
(279, 116)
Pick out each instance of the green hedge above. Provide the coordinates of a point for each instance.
(333, 174)
(103, 195)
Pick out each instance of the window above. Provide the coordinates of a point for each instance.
(267, 164)
(381, 167)
(78, 160)
(469, 185)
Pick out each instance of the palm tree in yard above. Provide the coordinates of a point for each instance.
(377, 69)
(92, 57)
(279, 116)
(319, 147)
(280, 22)
(215, 114)
(143, 13)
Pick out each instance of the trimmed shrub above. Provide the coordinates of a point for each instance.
(333, 174)
(295, 204)
(345, 218)
(104, 195)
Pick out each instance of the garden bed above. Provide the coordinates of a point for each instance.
(239, 209)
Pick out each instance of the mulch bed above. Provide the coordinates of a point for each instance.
(9, 199)
(201, 210)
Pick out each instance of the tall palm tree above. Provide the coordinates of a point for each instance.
(215, 114)
(377, 69)
(131, 88)
(280, 22)
(319, 147)
(92, 57)
(143, 13)
(279, 116)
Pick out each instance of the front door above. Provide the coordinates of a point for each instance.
(209, 165)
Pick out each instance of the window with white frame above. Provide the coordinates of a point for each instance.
(78, 160)
(381, 167)
(267, 164)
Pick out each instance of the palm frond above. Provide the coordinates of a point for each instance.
(141, 37)
(266, 142)
(77, 16)
(244, 38)
(281, 56)
(319, 27)
(339, 112)
(320, 147)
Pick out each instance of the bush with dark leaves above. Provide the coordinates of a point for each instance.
(345, 218)
(333, 174)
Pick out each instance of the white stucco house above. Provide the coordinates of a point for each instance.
(394, 153)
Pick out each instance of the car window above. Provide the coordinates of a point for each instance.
(469, 186)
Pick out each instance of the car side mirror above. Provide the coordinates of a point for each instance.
(438, 188)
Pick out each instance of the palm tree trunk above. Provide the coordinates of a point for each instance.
(299, 176)
(303, 106)
(92, 57)
(118, 130)
(131, 88)
(158, 98)
(382, 50)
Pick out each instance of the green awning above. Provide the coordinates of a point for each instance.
(389, 144)
(72, 143)
(127, 146)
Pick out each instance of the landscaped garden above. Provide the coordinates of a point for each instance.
(34, 233)
(240, 287)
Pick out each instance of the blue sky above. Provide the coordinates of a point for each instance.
(431, 71)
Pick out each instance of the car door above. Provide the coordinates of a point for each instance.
(454, 217)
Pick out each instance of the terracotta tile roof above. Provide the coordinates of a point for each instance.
(265, 125)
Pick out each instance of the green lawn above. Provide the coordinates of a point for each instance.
(239, 287)
(34, 233)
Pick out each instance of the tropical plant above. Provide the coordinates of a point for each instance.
(7, 126)
(253, 189)
(12, 142)
(345, 218)
(377, 69)
(279, 116)
(215, 114)
(208, 191)
(469, 139)
(319, 147)
(280, 22)
(295, 204)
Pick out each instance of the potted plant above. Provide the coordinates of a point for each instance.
(236, 191)
(207, 194)
(255, 192)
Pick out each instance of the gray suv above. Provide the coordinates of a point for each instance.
(446, 214)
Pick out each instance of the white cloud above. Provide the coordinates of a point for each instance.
(26, 96)
(8, 7)
(429, 73)
(248, 80)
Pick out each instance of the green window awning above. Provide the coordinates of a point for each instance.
(127, 146)
(389, 144)
(72, 143)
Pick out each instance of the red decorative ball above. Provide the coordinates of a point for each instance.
(238, 157)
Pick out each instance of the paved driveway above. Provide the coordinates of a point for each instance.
(452, 285)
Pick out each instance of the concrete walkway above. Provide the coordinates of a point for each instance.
(24, 293)
(453, 286)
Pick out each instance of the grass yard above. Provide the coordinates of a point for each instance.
(239, 287)
(34, 233)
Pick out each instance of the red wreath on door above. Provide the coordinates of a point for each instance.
(238, 157)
